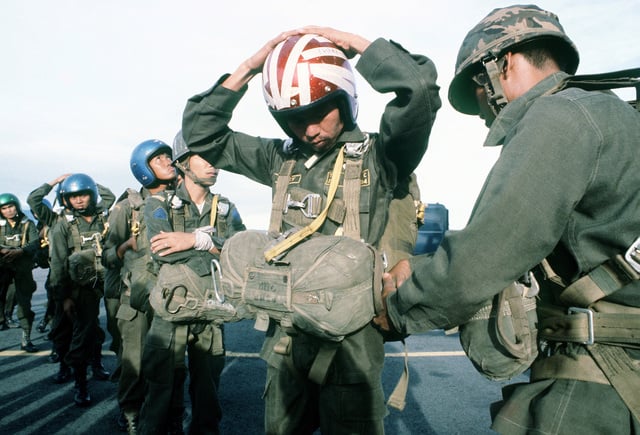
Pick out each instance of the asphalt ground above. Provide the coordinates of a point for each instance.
(446, 395)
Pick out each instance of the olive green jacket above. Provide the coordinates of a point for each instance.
(565, 187)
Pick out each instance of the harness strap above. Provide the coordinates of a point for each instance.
(589, 326)
(279, 202)
(305, 232)
(623, 373)
(561, 366)
(602, 281)
(322, 362)
(351, 195)
(214, 210)
(397, 399)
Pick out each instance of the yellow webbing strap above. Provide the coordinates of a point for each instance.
(397, 399)
(305, 232)
(214, 210)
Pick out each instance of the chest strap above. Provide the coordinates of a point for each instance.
(305, 232)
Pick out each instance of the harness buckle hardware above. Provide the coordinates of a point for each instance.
(632, 256)
(309, 206)
(590, 329)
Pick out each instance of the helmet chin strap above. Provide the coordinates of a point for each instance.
(204, 182)
(493, 88)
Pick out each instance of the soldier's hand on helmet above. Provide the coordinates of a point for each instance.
(57, 180)
(168, 243)
(350, 43)
(253, 65)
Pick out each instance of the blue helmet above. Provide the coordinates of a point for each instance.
(78, 184)
(140, 160)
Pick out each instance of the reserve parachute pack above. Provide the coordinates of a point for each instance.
(501, 339)
(180, 295)
(328, 286)
(85, 263)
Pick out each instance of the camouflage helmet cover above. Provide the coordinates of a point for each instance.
(501, 30)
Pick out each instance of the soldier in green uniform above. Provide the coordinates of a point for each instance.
(562, 195)
(46, 214)
(19, 241)
(77, 281)
(310, 90)
(189, 228)
(127, 251)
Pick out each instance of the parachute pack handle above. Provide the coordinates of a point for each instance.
(295, 238)
(215, 267)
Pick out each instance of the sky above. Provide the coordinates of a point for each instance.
(83, 82)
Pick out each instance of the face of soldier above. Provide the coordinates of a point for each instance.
(162, 167)
(9, 211)
(80, 202)
(203, 170)
(486, 112)
(318, 127)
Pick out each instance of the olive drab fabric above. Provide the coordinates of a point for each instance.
(327, 286)
(501, 338)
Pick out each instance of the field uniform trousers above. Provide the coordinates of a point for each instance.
(164, 369)
(133, 326)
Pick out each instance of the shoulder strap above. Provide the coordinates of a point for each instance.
(279, 202)
(612, 80)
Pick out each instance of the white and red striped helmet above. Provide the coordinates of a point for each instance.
(306, 70)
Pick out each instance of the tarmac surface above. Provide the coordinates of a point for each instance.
(446, 395)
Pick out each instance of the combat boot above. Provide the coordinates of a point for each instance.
(175, 425)
(25, 343)
(97, 369)
(132, 422)
(81, 397)
(42, 326)
(63, 375)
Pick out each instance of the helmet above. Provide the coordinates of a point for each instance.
(307, 70)
(140, 157)
(180, 149)
(76, 184)
(501, 31)
(10, 198)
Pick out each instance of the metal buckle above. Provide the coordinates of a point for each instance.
(590, 331)
(632, 256)
(309, 206)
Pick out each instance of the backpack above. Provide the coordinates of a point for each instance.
(501, 339)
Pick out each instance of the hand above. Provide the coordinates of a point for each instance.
(168, 243)
(350, 43)
(130, 243)
(390, 282)
(253, 65)
(10, 255)
(59, 179)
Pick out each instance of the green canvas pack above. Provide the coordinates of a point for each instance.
(326, 286)
(501, 338)
(182, 296)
